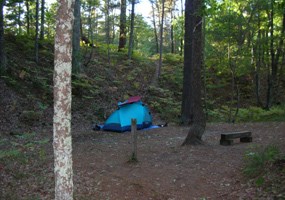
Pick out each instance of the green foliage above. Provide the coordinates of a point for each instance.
(172, 59)
(251, 114)
(163, 103)
(13, 153)
(30, 116)
(257, 158)
(22, 146)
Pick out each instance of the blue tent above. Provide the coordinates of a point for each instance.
(133, 108)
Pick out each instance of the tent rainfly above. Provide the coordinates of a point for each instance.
(133, 108)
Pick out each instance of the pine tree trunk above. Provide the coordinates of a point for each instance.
(62, 141)
(76, 54)
(131, 40)
(154, 29)
(158, 68)
(37, 33)
(28, 16)
(123, 24)
(42, 32)
(172, 32)
(2, 40)
(192, 108)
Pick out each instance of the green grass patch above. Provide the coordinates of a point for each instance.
(251, 114)
(257, 158)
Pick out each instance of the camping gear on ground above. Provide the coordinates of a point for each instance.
(120, 120)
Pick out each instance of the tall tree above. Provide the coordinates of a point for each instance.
(2, 43)
(131, 40)
(192, 110)
(158, 68)
(76, 55)
(62, 141)
(27, 4)
(37, 33)
(154, 26)
(42, 32)
(123, 21)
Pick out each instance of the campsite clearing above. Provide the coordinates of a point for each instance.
(165, 170)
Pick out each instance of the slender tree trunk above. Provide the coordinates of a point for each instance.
(62, 141)
(123, 24)
(37, 33)
(158, 68)
(108, 28)
(258, 65)
(113, 28)
(272, 53)
(275, 65)
(131, 40)
(28, 16)
(154, 28)
(192, 108)
(76, 53)
(42, 33)
(172, 32)
(19, 19)
(3, 61)
(182, 32)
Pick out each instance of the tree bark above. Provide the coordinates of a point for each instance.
(123, 25)
(28, 16)
(3, 61)
(42, 32)
(158, 68)
(76, 54)
(154, 28)
(62, 141)
(192, 108)
(172, 33)
(37, 33)
(131, 40)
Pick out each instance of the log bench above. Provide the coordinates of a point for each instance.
(228, 138)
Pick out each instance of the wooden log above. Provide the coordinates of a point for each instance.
(134, 134)
(246, 139)
(226, 142)
(234, 135)
(227, 138)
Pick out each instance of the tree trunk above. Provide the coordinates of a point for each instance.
(172, 31)
(62, 141)
(19, 23)
(131, 40)
(123, 24)
(158, 68)
(42, 33)
(192, 108)
(154, 28)
(3, 62)
(258, 65)
(182, 32)
(272, 53)
(37, 33)
(76, 54)
(28, 16)
(275, 65)
(107, 5)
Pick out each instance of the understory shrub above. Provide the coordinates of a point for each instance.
(258, 157)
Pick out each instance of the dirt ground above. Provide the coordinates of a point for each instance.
(164, 170)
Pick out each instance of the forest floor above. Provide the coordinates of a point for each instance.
(165, 169)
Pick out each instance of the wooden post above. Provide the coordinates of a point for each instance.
(134, 134)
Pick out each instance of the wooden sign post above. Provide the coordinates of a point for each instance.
(134, 135)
